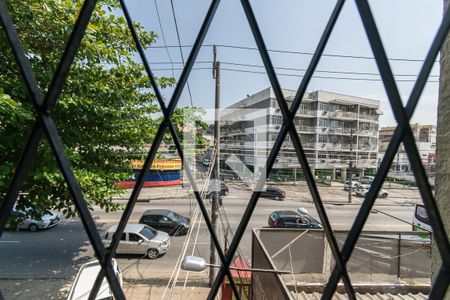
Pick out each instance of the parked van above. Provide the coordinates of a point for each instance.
(83, 283)
(140, 239)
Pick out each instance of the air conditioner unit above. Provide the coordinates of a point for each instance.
(324, 112)
(277, 127)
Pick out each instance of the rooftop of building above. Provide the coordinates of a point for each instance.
(413, 126)
(319, 95)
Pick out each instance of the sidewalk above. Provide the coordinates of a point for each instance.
(334, 195)
(146, 292)
(157, 193)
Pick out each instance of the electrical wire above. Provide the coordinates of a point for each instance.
(163, 36)
(300, 52)
(294, 69)
(300, 76)
(203, 195)
(183, 253)
(176, 270)
(180, 48)
(323, 77)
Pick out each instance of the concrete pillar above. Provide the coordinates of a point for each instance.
(333, 174)
(344, 174)
(443, 150)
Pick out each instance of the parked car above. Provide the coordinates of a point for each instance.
(84, 281)
(363, 189)
(48, 220)
(366, 179)
(293, 219)
(354, 185)
(273, 193)
(140, 239)
(166, 220)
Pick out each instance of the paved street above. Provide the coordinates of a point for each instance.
(56, 253)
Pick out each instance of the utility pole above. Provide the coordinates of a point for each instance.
(350, 168)
(216, 191)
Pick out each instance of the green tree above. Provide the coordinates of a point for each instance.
(103, 113)
(189, 124)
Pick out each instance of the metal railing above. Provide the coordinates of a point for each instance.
(44, 126)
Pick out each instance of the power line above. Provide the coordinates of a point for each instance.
(300, 52)
(296, 75)
(295, 69)
(320, 71)
(321, 77)
(180, 47)
(163, 36)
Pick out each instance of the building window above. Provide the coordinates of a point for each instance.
(323, 138)
(277, 120)
(323, 106)
(324, 122)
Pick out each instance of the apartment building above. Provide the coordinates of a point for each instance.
(334, 129)
(425, 136)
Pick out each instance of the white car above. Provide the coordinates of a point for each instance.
(140, 239)
(47, 220)
(362, 190)
(83, 283)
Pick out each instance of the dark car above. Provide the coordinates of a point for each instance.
(292, 219)
(166, 220)
(273, 193)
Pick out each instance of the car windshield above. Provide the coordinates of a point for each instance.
(148, 232)
(173, 216)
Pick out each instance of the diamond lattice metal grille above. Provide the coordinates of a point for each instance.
(44, 126)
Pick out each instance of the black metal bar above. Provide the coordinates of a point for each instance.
(193, 56)
(301, 154)
(441, 284)
(174, 136)
(364, 212)
(159, 135)
(288, 116)
(77, 195)
(60, 76)
(161, 129)
(408, 139)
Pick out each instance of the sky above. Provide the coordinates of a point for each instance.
(407, 28)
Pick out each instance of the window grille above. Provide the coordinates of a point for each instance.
(44, 126)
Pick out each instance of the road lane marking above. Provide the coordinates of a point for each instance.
(10, 242)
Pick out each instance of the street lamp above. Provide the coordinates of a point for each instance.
(198, 264)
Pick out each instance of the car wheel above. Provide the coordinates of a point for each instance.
(152, 253)
(33, 227)
(277, 198)
(385, 195)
